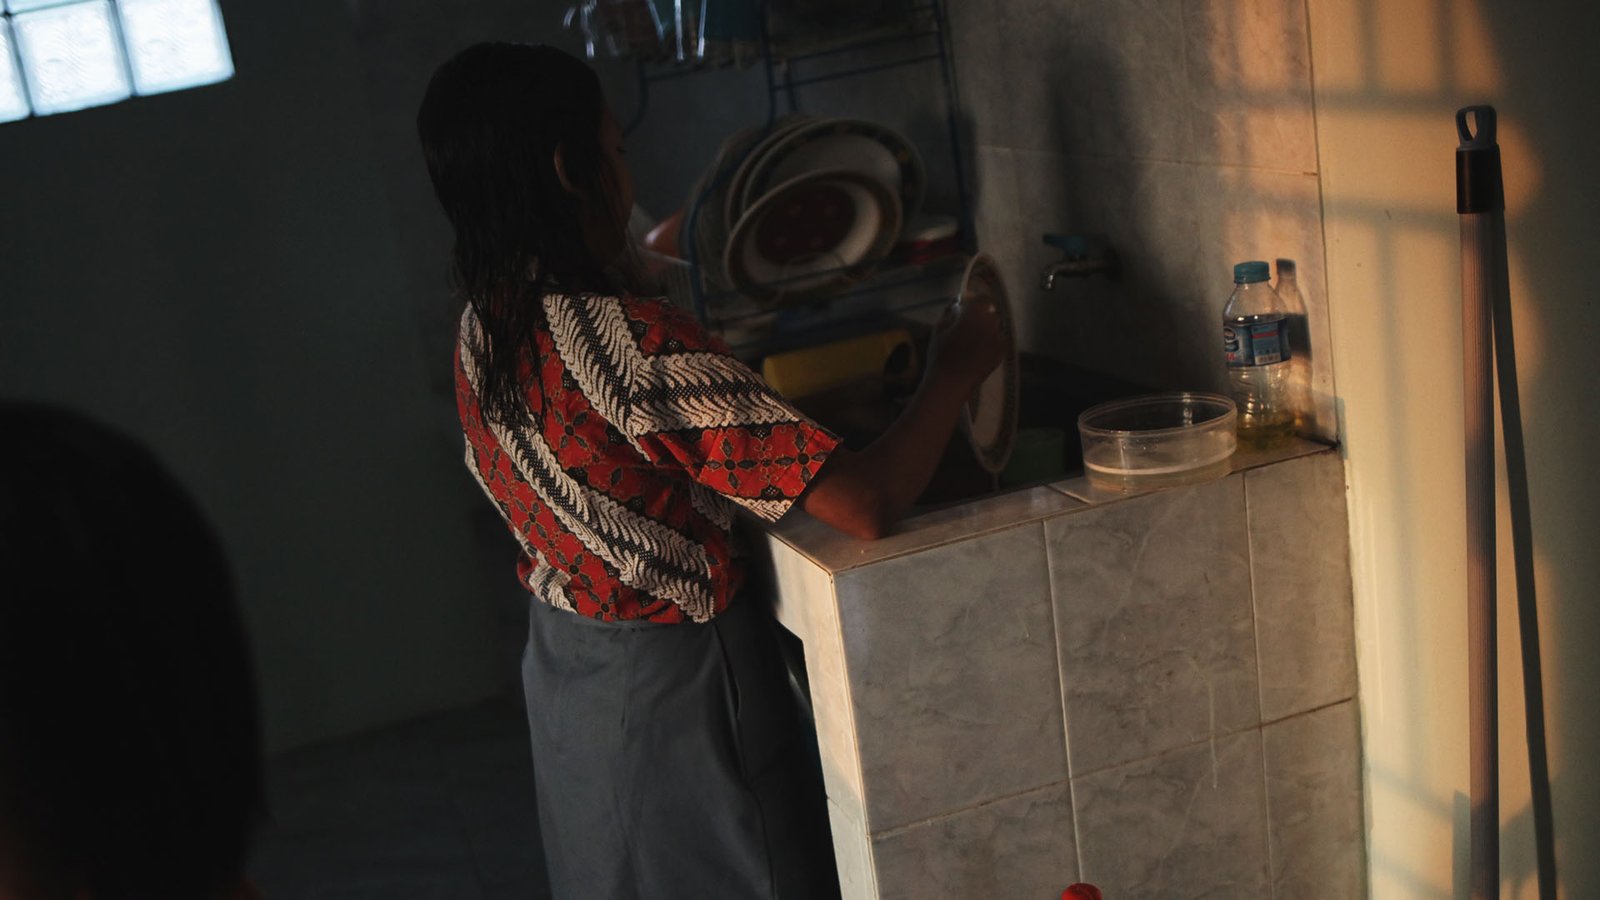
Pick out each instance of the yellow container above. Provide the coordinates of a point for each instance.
(809, 370)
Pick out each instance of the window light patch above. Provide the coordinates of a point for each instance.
(25, 5)
(175, 44)
(63, 55)
(72, 56)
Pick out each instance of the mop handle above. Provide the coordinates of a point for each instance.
(1480, 200)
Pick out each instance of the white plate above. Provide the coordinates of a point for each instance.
(990, 416)
(734, 205)
(710, 227)
(798, 237)
(869, 148)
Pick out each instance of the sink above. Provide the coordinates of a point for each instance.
(1052, 395)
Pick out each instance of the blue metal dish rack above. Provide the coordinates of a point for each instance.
(916, 35)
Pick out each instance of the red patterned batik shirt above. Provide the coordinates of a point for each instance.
(643, 433)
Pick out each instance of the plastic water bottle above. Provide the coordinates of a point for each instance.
(1255, 337)
(1294, 303)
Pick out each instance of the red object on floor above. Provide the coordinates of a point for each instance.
(1082, 892)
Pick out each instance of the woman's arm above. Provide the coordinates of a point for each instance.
(863, 494)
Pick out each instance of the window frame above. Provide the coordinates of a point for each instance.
(136, 81)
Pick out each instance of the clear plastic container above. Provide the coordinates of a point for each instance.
(1158, 441)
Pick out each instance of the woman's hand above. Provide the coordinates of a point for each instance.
(864, 494)
(968, 343)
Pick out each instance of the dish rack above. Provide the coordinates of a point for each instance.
(914, 33)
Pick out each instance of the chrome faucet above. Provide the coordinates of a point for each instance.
(1084, 256)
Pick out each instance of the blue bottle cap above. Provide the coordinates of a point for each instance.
(1251, 272)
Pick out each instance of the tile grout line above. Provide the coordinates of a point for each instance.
(1266, 813)
(1255, 612)
(898, 830)
(983, 531)
(1307, 712)
(1202, 741)
(1055, 487)
(1061, 685)
(1177, 162)
(1322, 231)
(837, 629)
(1261, 713)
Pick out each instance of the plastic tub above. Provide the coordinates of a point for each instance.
(1158, 441)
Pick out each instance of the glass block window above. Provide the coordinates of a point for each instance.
(63, 55)
(13, 97)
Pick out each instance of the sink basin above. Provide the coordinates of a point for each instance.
(1051, 397)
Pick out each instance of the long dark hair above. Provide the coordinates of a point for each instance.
(490, 124)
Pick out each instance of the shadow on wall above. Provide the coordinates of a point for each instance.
(1182, 132)
(1389, 77)
(1186, 133)
(1560, 419)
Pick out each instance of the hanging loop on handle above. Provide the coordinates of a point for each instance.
(1479, 187)
(1483, 118)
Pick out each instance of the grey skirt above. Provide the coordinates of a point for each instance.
(675, 761)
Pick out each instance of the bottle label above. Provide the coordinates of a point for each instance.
(1259, 342)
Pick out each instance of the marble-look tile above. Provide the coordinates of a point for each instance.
(952, 667)
(1255, 214)
(1017, 847)
(1152, 608)
(835, 551)
(1081, 488)
(1090, 77)
(1151, 323)
(806, 606)
(982, 83)
(1187, 824)
(996, 206)
(998, 214)
(1248, 458)
(852, 854)
(1300, 560)
(1316, 834)
(1249, 72)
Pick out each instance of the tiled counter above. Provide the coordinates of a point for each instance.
(1151, 693)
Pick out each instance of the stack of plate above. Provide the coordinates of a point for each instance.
(805, 206)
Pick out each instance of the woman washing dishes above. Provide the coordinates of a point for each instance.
(618, 439)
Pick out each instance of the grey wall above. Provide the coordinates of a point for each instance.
(1181, 130)
(250, 278)
(216, 271)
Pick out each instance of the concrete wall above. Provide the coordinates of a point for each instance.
(1389, 77)
(216, 271)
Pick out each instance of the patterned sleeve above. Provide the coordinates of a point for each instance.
(686, 402)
